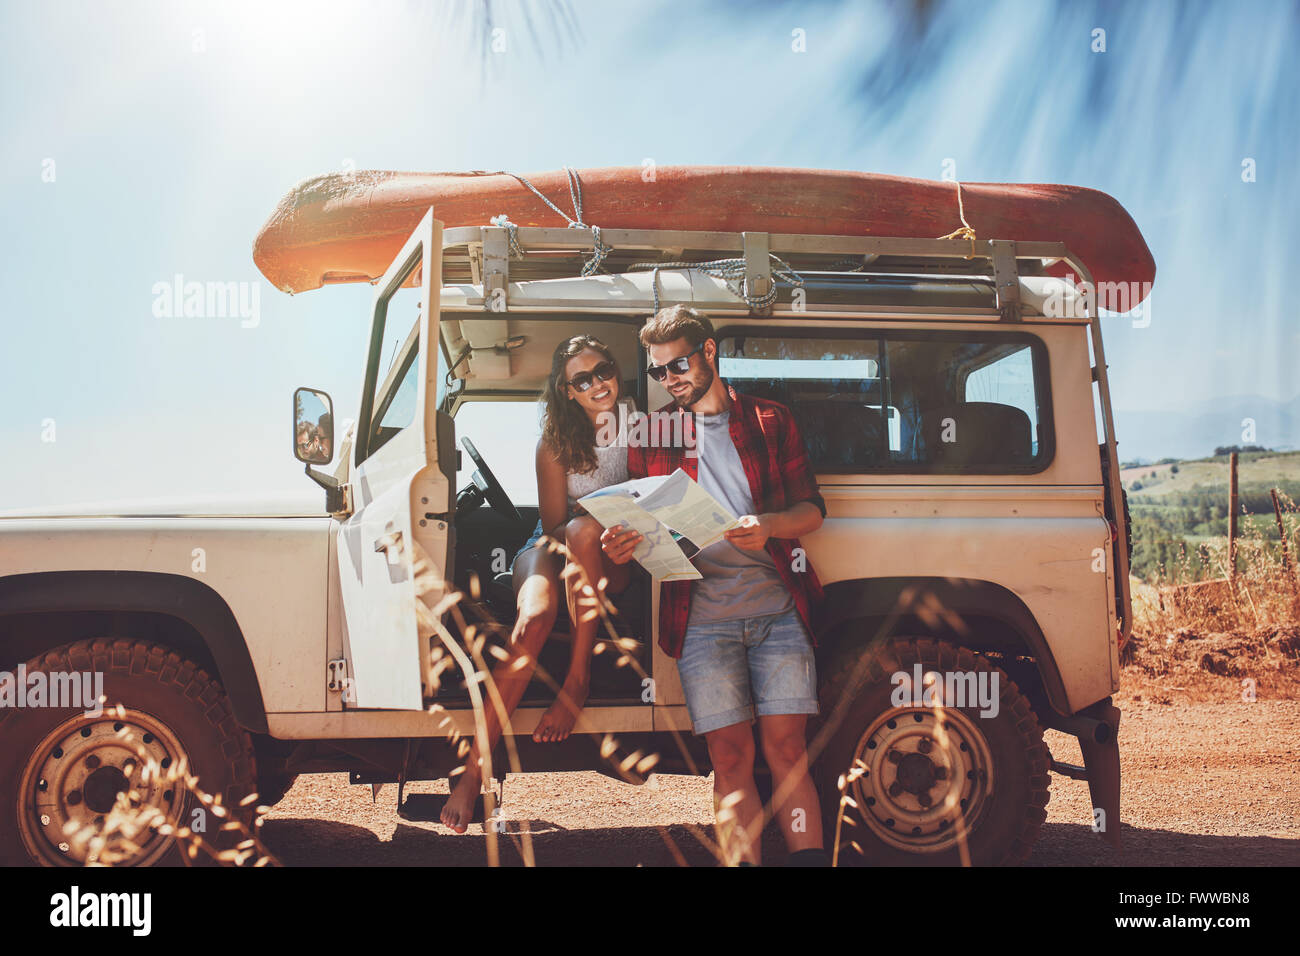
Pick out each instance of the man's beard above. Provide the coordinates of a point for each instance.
(688, 399)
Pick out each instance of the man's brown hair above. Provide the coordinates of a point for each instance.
(676, 322)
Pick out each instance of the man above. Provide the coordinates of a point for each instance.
(325, 436)
(306, 439)
(742, 633)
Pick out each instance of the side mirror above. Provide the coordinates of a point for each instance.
(313, 427)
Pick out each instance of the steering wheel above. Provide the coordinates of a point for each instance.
(487, 483)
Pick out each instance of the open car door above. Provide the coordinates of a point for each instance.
(393, 550)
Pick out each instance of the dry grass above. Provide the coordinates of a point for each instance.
(1202, 633)
(1200, 592)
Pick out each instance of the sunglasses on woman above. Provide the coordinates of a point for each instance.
(584, 380)
(678, 366)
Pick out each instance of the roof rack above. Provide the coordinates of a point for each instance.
(494, 256)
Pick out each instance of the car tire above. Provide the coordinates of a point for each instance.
(934, 785)
(61, 767)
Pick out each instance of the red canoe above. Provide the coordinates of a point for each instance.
(343, 228)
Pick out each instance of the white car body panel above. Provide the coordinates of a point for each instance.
(271, 572)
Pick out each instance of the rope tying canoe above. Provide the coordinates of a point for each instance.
(599, 249)
(730, 271)
(965, 232)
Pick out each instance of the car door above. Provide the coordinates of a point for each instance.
(393, 549)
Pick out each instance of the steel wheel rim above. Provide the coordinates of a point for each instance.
(75, 773)
(894, 774)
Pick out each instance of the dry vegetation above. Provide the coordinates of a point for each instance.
(1221, 637)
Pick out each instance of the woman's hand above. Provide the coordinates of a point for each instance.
(619, 543)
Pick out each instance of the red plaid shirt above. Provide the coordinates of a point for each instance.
(780, 476)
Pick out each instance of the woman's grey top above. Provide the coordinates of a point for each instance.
(611, 462)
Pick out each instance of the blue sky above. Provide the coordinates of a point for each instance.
(145, 140)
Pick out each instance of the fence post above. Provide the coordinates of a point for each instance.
(1232, 518)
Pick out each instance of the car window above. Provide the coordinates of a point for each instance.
(1008, 380)
(832, 385)
(903, 402)
(505, 434)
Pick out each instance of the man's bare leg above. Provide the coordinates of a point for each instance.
(731, 751)
(582, 538)
(536, 577)
(785, 747)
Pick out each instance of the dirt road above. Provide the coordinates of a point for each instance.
(1205, 784)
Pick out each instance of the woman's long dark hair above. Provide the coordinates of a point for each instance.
(566, 429)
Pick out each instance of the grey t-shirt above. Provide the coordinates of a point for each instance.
(736, 583)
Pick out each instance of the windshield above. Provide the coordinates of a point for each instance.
(397, 391)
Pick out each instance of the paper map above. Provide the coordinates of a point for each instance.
(665, 509)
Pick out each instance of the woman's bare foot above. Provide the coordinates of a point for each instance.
(558, 721)
(459, 808)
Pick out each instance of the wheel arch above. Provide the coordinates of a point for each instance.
(43, 610)
(977, 614)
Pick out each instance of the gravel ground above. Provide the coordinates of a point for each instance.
(1206, 783)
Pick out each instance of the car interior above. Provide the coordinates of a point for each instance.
(491, 527)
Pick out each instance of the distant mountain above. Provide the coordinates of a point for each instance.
(1195, 431)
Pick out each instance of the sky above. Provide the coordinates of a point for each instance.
(148, 140)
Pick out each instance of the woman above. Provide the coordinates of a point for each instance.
(582, 448)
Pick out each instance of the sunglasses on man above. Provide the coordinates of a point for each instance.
(584, 380)
(678, 366)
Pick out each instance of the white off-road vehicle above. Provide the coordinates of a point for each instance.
(953, 398)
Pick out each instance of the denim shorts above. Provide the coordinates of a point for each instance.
(537, 533)
(732, 669)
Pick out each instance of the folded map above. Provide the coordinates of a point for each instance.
(675, 516)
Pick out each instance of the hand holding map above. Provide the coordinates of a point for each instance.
(663, 509)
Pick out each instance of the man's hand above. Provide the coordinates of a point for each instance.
(751, 533)
(619, 543)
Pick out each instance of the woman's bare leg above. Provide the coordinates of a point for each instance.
(582, 537)
(537, 589)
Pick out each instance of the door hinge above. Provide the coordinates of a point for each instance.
(345, 501)
(338, 676)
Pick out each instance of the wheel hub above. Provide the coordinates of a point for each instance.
(73, 778)
(916, 773)
(925, 776)
(101, 789)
